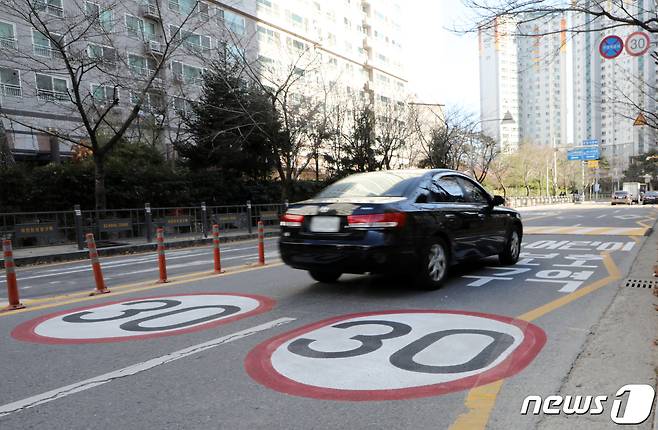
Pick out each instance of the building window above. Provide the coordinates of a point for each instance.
(103, 17)
(144, 29)
(10, 80)
(234, 22)
(7, 35)
(51, 88)
(51, 7)
(103, 54)
(193, 40)
(141, 66)
(186, 73)
(105, 94)
(182, 6)
(183, 107)
(152, 102)
(44, 46)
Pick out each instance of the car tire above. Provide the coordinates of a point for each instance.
(510, 254)
(434, 265)
(325, 276)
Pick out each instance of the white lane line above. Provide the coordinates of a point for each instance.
(178, 266)
(96, 381)
(601, 216)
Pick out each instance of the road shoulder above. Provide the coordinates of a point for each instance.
(620, 349)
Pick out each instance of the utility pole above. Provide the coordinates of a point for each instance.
(554, 167)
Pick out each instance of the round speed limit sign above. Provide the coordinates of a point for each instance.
(392, 355)
(141, 318)
(637, 43)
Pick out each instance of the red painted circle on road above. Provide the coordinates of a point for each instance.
(242, 306)
(298, 373)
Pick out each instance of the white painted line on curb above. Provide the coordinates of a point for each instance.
(87, 384)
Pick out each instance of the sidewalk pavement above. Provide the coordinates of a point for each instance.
(620, 349)
(70, 252)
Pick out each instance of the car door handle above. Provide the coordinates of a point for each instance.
(482, 216)
(450, 216)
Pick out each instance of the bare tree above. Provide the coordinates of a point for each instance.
(444, 142)
(393, 132)
(104, 67)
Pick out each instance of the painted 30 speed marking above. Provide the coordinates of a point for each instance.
(141, 318)
(393, 355)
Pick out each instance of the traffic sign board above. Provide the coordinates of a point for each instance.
(590, 142)
(141, 318)
(391, 355)
(640, 120)
(586, 153)
(637, 43)
(611, 46)
(593, 164)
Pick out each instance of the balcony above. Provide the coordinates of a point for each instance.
(7, 43)
(141, 71)
(154, 47)
(42, 51)
(52, 96)
(9, 90)
(150, 11)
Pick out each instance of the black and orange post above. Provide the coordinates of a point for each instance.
(12, 284)
(162, 262)
(96, 266)
(261, 243)
(215, 249)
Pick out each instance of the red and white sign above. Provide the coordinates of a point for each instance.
(637, 43)
(393, 355)
(141, 318)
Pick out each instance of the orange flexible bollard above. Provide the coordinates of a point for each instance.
(12, 284)
(162, 262)
(96, 267)
(261, 243)
(215, 246)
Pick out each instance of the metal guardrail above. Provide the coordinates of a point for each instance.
(113, 226)
(515, 202)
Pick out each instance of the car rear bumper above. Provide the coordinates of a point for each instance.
(347, 258)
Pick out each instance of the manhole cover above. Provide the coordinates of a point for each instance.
(641, 283)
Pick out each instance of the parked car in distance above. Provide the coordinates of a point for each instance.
(413, 222)
(650, 197)
(622, 197)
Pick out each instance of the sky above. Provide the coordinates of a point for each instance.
(441, 66)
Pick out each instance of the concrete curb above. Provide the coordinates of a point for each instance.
(128, 249)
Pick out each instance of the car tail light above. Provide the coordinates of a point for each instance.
(385, 220)
(291, 220)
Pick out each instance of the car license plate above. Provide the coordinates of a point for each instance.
(325, 224)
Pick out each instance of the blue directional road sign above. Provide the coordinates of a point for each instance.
(590, 142)
(591, 153)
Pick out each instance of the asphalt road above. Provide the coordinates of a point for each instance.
(269, 348)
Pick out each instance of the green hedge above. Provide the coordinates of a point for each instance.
(135, 174)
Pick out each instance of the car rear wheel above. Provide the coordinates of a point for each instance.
(324, 276)
(510, 254)
(434, 265)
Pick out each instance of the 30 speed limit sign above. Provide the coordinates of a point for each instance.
(392, 355)
(637, 43)
(141, 318)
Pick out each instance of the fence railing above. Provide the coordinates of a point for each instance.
(132, 225)
(548, 200)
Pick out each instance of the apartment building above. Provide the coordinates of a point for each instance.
(524, 76)
(349, 47)
(609, 93)
(499, 83)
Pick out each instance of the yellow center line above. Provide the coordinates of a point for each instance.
(480, 400)
(78, 297)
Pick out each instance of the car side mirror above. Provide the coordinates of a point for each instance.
(498, 201)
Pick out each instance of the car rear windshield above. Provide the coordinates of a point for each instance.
(651, 193)
(375, 184)
(621, 193)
